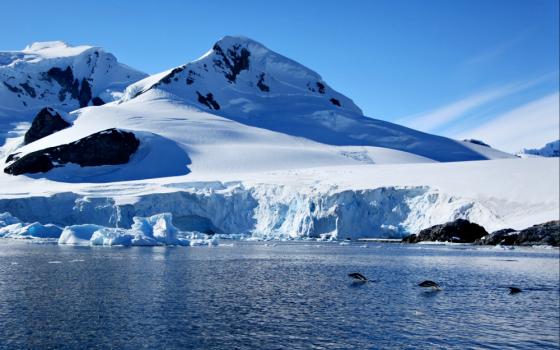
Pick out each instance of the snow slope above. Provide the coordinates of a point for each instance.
(242, 80)
(57, 75)
(27, 86)
(177, 139)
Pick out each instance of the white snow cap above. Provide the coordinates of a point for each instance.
(49, 49)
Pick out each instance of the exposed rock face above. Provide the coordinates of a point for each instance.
(506, 236)
(458, 231)
(13, 89)
(108, 147)
(232, 62)
(543, 234)
(61, 76)
(29, 89)
(335, 102)
(171, 76)
(477, 142)
(97, 101)
(261, 85)
(65, 78)
(208, 100)
(85, 93)
(47, 122)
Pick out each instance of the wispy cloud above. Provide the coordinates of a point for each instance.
(528, 126)
(493, 52)
(438, 118)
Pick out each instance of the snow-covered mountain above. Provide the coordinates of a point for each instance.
(240, 107)
(242, 80)
(551, 149)
(246, 141)
(54, 74)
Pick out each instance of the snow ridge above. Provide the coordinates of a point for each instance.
(551, 149)
(55, 74)
(242, 80)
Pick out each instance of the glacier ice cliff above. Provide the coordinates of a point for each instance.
(260, 211)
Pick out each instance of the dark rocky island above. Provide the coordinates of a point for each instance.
(542, 234)
(464, 231)
(458, 231)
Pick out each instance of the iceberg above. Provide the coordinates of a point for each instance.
(12, 227)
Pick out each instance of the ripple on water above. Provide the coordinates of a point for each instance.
(290, 296)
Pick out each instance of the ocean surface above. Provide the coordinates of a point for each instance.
(256, 295)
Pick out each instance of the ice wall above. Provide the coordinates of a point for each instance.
(263, 211)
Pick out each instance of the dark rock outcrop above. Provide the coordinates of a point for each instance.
(506, 237)
(46, 122)
(85, 93)
(208, 100)
(108, 147)
(12, 88)
(458, 231)
(542, 234)
(29, 89)
(190, 77)
(261, 85)
(320, 87)
(477, 142)
(335, 102)
(233, 62)
(65, 78)
(171, 75)
(97, 101)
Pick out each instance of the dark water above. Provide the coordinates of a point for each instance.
(288, 296)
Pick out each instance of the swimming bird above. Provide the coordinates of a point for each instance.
(358, 277)
(429, 284)
(514, 290)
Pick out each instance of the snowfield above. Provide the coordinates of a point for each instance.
(244, 142)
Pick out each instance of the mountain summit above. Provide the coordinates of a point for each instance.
(241, 75)
(241, 79)
(57, 75)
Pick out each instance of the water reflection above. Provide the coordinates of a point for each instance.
(287, 296)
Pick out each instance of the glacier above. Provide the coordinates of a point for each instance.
(139, 213)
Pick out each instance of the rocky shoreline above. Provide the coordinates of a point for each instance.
(464, 231)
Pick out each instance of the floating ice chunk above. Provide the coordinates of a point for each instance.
(111, 236)
(37, 230)
(78, 234)
(213, 241)
(145, 231)
(7, 219)
(158, 227)
(9, 230)
(34, 230)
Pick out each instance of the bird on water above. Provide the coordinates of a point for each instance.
(358, 277)
(429, 284)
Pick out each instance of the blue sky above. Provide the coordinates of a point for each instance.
(486, 69)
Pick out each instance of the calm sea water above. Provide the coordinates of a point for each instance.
(287, 296)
